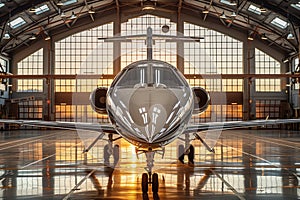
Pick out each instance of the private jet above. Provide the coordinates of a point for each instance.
(150, 104)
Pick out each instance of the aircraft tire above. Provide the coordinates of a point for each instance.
(145, 182)
(191, 154)
(155, 183)
(106, 155)
(116, 154)
(181, 153)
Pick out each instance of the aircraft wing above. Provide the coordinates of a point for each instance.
(237, 124)
(107, 128)
(213, 130)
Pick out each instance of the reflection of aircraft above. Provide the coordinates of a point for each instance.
(150, 104)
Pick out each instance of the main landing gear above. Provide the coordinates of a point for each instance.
(108, 152)
(190, 150)
(109, 149)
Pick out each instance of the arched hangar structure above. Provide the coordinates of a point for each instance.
(253, 44)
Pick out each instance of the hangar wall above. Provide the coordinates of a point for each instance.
(243, 106)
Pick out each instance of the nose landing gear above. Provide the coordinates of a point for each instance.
(149, 178)
(145, 182)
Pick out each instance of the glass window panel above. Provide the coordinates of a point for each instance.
(279, 23)
(32, 65)
(83, 53)
(297, 5)
(136, 49)
(207, 57)
(265, 64)
(16, 23)
(31, 109)
(267, 108)
(254, 9)
(42, 9)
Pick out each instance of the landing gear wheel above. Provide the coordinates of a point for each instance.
(116, 154)
(155, 183)
(191, 155)
(181, 153)
(106, 155)
(145, 182)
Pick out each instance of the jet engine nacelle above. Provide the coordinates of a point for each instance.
(201, 100)
(98, 100)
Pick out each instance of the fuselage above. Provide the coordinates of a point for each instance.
(150, 103)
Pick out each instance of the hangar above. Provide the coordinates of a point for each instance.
(54, 54)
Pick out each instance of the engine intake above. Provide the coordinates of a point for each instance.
(201, 100)
(98, 100)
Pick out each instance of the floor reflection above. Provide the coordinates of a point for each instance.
(247, 164)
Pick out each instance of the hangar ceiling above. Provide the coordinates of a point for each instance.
(275, 22)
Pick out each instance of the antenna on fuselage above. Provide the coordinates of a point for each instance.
(149, 43)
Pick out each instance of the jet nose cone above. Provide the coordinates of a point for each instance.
(150, 109)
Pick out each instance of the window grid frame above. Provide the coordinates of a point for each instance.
(139, 25)
(32, 109)
(69, 58)
(31, 65)
(206, 53)
(265, 64)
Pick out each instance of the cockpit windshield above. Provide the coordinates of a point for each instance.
(149, 102)
(153, 73)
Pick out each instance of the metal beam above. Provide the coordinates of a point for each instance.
(282, 10)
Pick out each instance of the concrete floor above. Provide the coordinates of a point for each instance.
(247, 164)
